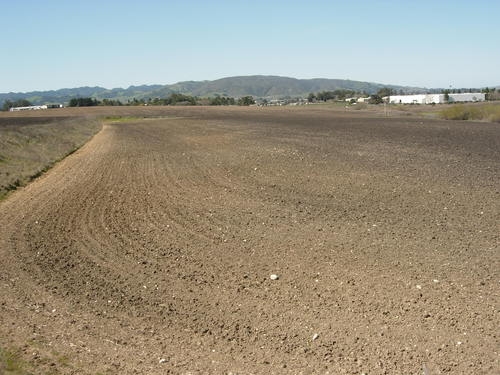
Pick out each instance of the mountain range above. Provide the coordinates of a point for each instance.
(258, 86)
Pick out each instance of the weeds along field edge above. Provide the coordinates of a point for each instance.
(480, 112)
(29, 149)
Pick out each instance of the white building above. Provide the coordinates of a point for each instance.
(28, 108)
(35, 107)
(407, 99)
(363, 100)
(436, 98)
(467, 97)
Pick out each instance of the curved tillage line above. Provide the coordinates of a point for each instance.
(73, 247)
(156, 241)
(172, 188)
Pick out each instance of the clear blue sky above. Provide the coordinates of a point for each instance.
(59, 44)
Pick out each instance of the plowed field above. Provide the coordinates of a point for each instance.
(150, 250)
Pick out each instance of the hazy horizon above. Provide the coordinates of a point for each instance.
(117, 44)
(166, 84)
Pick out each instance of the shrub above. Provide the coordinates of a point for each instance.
(481, 112)
(14, 185)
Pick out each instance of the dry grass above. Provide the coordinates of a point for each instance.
(480, 112)
(29, 146)
(11, 363)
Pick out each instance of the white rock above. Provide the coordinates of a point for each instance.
(163, 360)
(315, 336)
(419, 286)
(274, 277)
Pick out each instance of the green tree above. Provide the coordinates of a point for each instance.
(343, 94)
(446, 96)
(83, 102)
(221, 100)
(325, 95)
(385, 91)
(111, 102)
(375, 99)
(136, 101)
(246, 100)
(180, 99)
(487, 92)
(8, 104)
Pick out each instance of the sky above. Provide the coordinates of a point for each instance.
(48, 45)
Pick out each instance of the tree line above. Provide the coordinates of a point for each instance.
(172, 99)
(8, 104)
(377, 98)
(342, 95)
(181, 99)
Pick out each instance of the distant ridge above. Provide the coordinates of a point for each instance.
(259, 86)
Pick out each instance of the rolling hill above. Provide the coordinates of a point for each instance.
(258, 86)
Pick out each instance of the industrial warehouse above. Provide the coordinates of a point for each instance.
(436, 98)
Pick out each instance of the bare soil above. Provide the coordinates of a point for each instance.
(150, 249)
